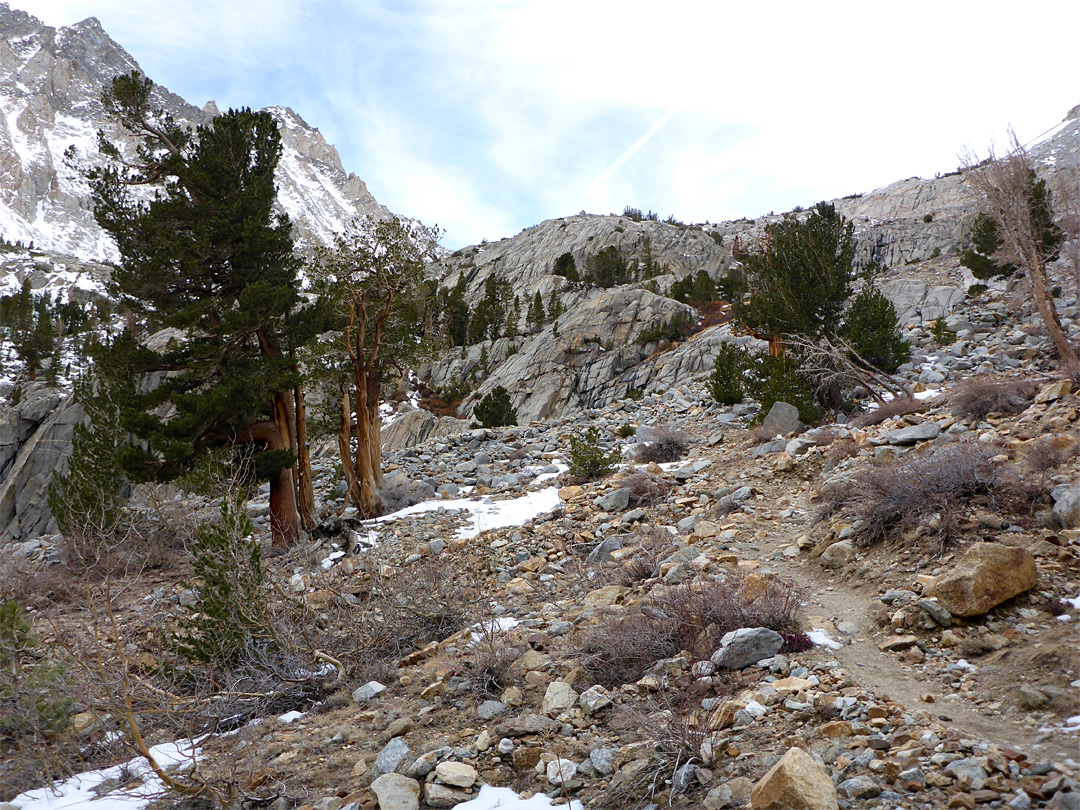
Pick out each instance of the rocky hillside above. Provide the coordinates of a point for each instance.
(578, 658)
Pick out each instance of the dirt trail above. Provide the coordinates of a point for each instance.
(837, 600)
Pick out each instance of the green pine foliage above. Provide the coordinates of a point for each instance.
(727, 382)
(695, 290)
(230, 624)
(456, 314)
(496, 409)
(984, 244)
(488, 321)
(566, 267)
(207, 256)
(873, 330)
(780, 379)
(800, 280)
(588, 461)
(536, 316)
(609, 268)
(87, 499)
(33, 690)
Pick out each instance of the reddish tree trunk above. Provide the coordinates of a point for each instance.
(305, 493)
(284, 520)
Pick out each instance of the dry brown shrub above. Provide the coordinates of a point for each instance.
(691, 617)
(978, 397)
(646, 488)
(702, 612)
(907, 492)
(661, 445)
(1049, 452)
(900, 406)
(655, 545)
(621, 650)
(841, 449)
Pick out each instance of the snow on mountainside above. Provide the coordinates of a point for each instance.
(50, 87)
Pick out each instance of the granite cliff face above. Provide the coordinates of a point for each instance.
(50, 87)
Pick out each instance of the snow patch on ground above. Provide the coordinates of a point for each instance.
(83, 790)
(499, 798)
(486, 514)
(823, 639)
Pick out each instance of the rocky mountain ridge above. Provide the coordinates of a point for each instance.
(50, 87)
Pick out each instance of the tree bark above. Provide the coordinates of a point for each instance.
(305, 492)
(368, 472)
(345, 451)
(284, 519)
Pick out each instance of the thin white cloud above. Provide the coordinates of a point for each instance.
(633, 149)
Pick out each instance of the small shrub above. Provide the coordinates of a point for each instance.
(928, 218)
(914, 489)
(646, 489)
(626, 431)
(975, 290)
(941, 333)
(496, 409)
(779, 379)
(588, 461)
(231, 618)
(692, 617)
(977, 398)
(1048, 452)
(635, 394)
(662, 445)
(33, 699)
(725, 384)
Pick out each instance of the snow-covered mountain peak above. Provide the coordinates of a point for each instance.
(50, 90)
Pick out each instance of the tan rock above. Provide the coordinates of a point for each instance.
(570, 493)
(456, 774)
(796, 782)
(605, 597)
(987, 575)
(1054, 391)
(559, 697)
(396, 792)
(837, 728)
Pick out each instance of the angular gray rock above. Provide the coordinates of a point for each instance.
(745, 647)
(396, 792)
(781, 419)
(615, 501)
(395, 757)
(1067, 505)
(922, 432)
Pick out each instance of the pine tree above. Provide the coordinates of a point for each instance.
(457, 314)
(373, 281)
(207, 256)
(536, 314)
(873, 330)
(801, 277)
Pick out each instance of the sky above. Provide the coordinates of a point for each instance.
(488, 116)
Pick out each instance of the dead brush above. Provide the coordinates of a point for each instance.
(654, 547)
(489, 668)
(1047, 453)
(646, 488)
(661, 445)
(702, 612)
(909, 491)
(899, 406)
(691, 617)
(978, 397)
(681, 737)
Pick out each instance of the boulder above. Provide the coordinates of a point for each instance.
(781, 419)
(560, 697)
(615, 501)
(923, 432)
(1067, 505)
(395, 757)
(987, 575)
(744, 647)
(796, 782)
(456, 774)
(837, 555)
(396, 792)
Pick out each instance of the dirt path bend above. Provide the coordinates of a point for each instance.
(836, 600)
